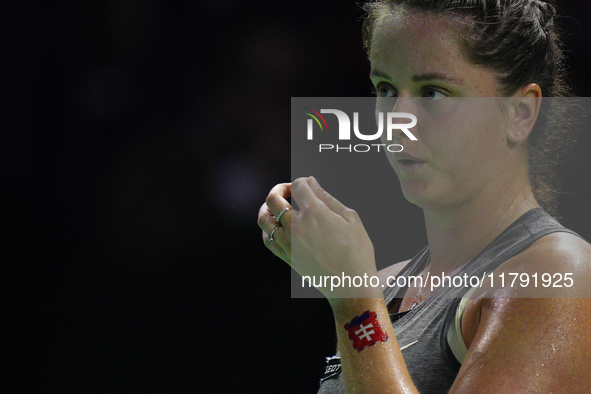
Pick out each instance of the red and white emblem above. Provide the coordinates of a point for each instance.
(365, 330)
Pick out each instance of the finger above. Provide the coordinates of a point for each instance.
(277, 239)
(276, 205)
(266, 220)
(277, 198)
(332, 203)
(267, 223)
(277, 248)
(303, 193)
(271, 234)
(284, 217)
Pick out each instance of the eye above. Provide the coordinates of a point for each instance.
(384, 90)
(433, 94)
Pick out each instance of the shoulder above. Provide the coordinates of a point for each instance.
(544, 270)
(557, 256)
(541, 331)
(560, 247)
(557, 265)
(529, 345)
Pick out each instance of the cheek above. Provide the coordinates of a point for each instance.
(475, 157)
(463, 148)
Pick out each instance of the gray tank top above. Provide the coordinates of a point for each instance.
(422, 332)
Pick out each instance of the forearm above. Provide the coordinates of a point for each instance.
(378, 367)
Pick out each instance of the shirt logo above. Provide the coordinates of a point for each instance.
(333, 368)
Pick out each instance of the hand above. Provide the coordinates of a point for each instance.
(323, 238)
(275, 203)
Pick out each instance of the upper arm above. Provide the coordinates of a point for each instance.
(533, 344)
(529, 345)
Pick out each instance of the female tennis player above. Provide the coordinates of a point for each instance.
(482, 173)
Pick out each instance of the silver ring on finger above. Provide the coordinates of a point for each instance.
(281, 214)
(270, 237)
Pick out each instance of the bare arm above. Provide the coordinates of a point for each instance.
(524, 345)
(520, 345)
(301, 240)
(379, 368)
(529, 345)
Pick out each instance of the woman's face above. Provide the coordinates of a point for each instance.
(462, 143)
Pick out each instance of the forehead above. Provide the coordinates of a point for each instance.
(412, 43)
(413, 34)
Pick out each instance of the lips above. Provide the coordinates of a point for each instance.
(403, 156)
(409, 162)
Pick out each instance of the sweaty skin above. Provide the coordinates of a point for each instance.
(467, 170)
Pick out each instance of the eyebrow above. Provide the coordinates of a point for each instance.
(421, 77)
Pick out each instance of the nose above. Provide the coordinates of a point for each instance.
(402, 104)
(401, 119)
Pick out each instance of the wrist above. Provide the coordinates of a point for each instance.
(346, 307)
(357, 283)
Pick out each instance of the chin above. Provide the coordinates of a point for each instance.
(414, 192)
(418, 194)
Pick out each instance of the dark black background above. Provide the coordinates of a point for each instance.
(138, 140)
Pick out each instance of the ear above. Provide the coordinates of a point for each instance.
(526, 107)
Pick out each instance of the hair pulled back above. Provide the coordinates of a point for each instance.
(519, 41)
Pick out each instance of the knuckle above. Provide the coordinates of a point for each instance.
(298, 182)
(273, 192)
(312, 209)
(351, 213)
(260, 221)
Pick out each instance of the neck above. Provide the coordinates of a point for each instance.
(458, 234)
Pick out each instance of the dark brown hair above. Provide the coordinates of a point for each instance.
(517, 40)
